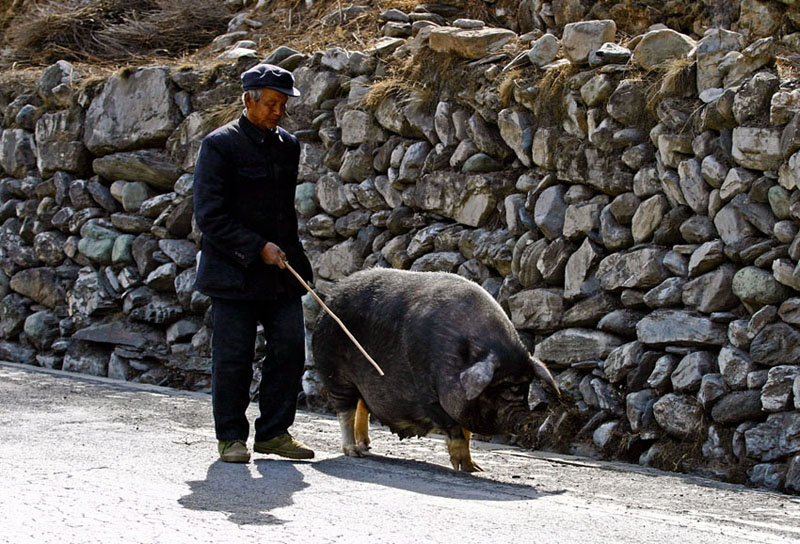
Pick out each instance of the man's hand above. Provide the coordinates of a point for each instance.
(272, 254)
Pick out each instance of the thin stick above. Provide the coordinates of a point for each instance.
(335, 318)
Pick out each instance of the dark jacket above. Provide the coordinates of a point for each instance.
(244, 185)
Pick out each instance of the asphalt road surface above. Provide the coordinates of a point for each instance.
(92, 460)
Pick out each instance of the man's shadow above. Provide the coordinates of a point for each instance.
(231, 488)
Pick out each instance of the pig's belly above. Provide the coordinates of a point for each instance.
(405, 418)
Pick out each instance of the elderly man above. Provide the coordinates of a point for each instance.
(244, 189)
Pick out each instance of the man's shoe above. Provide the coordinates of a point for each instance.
(233, 451)
(284, 445)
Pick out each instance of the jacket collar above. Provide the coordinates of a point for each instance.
(254, 133)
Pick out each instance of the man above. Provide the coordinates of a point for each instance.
(244, 188)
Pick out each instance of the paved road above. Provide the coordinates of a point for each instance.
(88, 460)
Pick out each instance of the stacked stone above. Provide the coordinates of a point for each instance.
(652, 265)
(97, 238)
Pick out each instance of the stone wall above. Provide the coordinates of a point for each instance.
(634, 207)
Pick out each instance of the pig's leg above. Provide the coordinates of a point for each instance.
(346, 425)
(361, 427)
(458, 447)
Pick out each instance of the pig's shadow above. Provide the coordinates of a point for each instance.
(426, 478)
(232, 489)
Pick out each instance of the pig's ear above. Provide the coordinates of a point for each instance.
(543, 374)
(475, 379)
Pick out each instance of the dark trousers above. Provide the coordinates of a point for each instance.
(232, 353)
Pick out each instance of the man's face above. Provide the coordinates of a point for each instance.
(267, 112)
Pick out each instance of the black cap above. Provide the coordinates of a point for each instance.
(269, 76)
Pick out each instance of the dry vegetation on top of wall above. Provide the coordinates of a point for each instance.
(103, 30)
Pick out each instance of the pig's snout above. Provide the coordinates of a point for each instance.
(523, 425)
(517, 421)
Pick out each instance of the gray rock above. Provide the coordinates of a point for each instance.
(516, 129)
(693, 186)
(390, 115)
(698, 229)
(609, 53)
(39, 284)
(688, 375)
(331, 195)
(580, 39)
(608, 398)
(660, 378)
(639, 409)
(582, 218)
(737, 407)
(150, 166)
(135, 109)
(88, 297)
(624, 207)
(627, 102)
(775, 438)
(667, 294)
(359, 127)
(633, 269)
(767, 475)
(776, 394)
(735, 365)
(568, 346)
(737, 181)
(775, 345)
(550, 211)
(12, 351)
(659, 47)
(468, 199)
(445, 261)
(752, 101)
(577, 270)
(487, 138)
(737, 66)
(757, 148)
(357, 164)
(49, 247)
(17, 151)
(732, 226)
(87, 358)
(622, 360)
(469, 43)
(348, 225)
(144, 304)
(756, 288)
(544, 50)
(13, 312)
(712, 292)
(413, 161)
(182, 252)
(648, 217)
(712, 387)
(666, 327)
(679, 415)
(536, 309)
(341, 260)
(710, 50)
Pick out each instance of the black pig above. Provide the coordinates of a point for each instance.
(453, 361)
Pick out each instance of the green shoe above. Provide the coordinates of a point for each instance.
(233, 451)
(284, 445)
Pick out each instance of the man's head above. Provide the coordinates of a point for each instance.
(266, 89)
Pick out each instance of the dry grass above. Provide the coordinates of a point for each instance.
(103, 30)
(422, 79)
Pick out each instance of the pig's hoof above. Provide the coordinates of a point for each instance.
(466, 465)
(352, 451)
